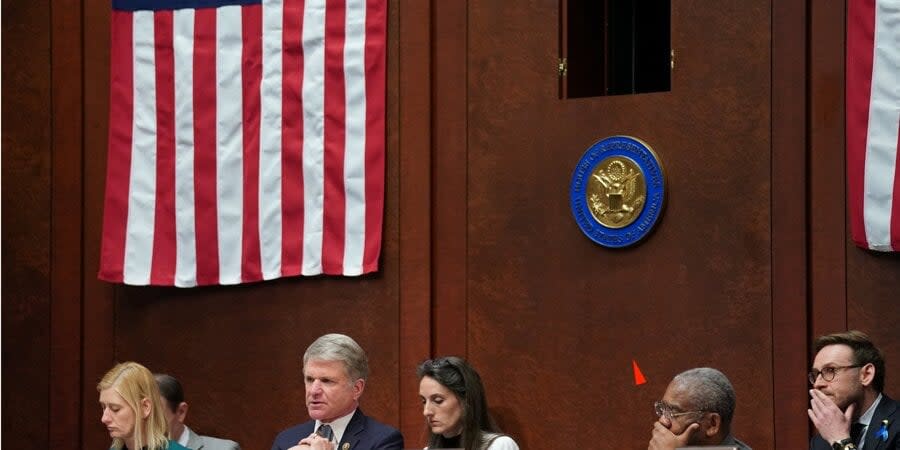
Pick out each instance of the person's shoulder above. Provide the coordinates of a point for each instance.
(214, 443)
(382, 436)
(890, 401)
(175, 446)
(502, 442)
(301, 429)
(373, 423)
(731, 440)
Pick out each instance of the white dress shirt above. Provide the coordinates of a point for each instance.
(865, 419)
(338, 427)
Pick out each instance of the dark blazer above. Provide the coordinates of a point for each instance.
(887, 410)
(731, 440)
(362, 433)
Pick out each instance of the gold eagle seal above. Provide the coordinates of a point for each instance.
(616, 192)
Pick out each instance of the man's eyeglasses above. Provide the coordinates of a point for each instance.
(827, 373)
(670, 412)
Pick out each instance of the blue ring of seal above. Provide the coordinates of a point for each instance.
(654, 177)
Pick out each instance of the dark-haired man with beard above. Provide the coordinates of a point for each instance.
(847, 405)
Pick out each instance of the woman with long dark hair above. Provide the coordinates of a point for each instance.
(456, 409)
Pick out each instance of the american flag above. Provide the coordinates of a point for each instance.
(246, 140)
(873, 120)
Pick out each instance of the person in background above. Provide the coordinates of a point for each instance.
(696, 409)
(176, 410)
(456, 409)
(132, 409)
(847, 404)
(335, 369)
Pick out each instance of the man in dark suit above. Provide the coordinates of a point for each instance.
(696, 409)
(335, 369)
(176, 411)
(847, 405)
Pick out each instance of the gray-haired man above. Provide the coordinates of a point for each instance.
(335, 369)
(696, 409)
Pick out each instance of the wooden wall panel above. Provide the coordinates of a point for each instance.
(27, 223)
(554, 320)
(789, 223)
(411, 84)
(827, 170)
(67, 206)
(98, 323)
(873, 292)
(449, 183)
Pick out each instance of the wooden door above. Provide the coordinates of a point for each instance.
(553, 321)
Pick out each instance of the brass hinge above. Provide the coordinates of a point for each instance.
(562, 67)
(672, 59)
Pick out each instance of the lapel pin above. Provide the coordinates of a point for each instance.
(883, 431)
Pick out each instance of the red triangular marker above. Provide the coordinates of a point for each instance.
(638, 376)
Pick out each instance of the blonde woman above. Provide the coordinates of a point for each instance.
(132, 409)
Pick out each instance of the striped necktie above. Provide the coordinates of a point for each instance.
(326, 432)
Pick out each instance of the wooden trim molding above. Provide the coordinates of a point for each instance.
(827, 178)
(412, 80)
(66, 223)
(449, 180)
(789, 222)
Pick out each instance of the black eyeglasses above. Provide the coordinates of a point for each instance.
(670, 412)
(828, 372)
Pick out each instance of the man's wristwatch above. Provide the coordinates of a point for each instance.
(844, 444)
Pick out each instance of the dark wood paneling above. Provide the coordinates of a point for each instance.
(97, 300)
(449, 178)
(414, 138)
(789, 225)
(554, 320)
(873, 290)
(66, 278)
(26, 223)
(827, 170)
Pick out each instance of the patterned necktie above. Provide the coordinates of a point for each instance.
(856, 432)
(326, 432)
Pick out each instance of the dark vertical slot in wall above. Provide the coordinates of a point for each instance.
(586, 73)
(617, 47)
(621, 23)
(652, 43)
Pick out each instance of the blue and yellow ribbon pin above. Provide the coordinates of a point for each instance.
(883, 431)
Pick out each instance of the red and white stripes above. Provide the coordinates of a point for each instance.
(246, 142)
(873, 120)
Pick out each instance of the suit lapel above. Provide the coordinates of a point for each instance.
(354, 430)
(886, 409)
